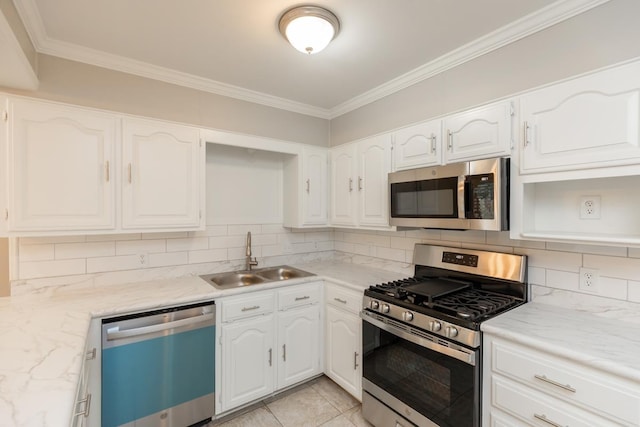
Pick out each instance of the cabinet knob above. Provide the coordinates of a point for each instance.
(308, 185)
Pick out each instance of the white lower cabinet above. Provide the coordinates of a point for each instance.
(540, 389)
(343, 343)
(298, 345)
(268, 340)
(247, 357)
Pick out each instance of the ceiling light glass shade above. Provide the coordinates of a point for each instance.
(309, 29)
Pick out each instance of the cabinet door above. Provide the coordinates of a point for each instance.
(298, 345)
(343, 350)
(163, 175)
(374, 158)
(247, 361)
(479, 133)
(343, 190)
(315, 187)
(418, 146)
(61, 165)
(588, 122)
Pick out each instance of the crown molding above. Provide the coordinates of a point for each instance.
(530, 24)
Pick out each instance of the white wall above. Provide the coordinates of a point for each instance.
(605, 35)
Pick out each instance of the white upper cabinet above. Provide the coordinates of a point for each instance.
(306, 188)
(344, 202)
(479, 133)
(592, 121)
(162, 164)
(315, 194)
(374, 161)
(68, 169)
(418, 146)
(61, 167)
(359, 183)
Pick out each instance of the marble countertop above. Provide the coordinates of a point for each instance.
(607, 344)
(43, 335)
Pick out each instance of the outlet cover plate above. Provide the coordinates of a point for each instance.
(589, 279)
(590, 207)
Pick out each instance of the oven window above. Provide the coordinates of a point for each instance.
(435, 198)
(443, 389)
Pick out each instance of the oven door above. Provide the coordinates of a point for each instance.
(425, 379)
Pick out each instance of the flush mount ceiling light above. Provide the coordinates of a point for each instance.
(309, 28)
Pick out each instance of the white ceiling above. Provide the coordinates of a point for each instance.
(233, 47)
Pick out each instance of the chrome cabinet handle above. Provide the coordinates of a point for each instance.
(270, 357)
(350, 185)
(355, 360)
(106, 170)
(91, 354)
(526, 133)
(449, 139)
(302, 298)
(341, 301)
(308, 185)
(284, 352)
(129, 172)
(555, 383)
(87, 406)
(359, 183)
(547, 420)
(433, 143)
(254, 307)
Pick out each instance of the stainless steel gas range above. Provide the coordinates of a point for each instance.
(421, 336)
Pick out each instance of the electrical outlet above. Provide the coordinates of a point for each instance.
(590, 207)
(589, 279)
(143, 258)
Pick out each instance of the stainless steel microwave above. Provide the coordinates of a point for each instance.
(461, 196)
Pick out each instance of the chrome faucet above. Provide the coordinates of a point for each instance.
(250, 261)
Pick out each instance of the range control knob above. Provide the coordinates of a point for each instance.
(374, 304)
(407, 316)
(385, 308)
(451, 332)
(435, 326)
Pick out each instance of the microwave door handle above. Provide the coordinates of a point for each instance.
(468, 199)
(462, 196)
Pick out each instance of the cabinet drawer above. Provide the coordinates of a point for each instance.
(248, 305)
(574, 383)
(296, 296)
(538, 409)
(345, 299)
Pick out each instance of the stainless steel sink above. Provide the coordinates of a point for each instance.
(254, 277)
(283, 272)
(235, 279)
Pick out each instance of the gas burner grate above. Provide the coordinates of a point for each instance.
(473, 304)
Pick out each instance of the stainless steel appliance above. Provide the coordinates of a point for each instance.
(421, 336)
(158, 367)
(464, 196)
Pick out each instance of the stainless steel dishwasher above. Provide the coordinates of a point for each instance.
(158, 367)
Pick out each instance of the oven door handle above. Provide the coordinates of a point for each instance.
(459, 353)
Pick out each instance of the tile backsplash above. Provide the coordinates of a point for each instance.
(104, 259)
(553, 267)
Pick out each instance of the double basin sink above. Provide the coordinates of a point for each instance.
(235, 279)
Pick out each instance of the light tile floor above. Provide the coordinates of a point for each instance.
(319, 402)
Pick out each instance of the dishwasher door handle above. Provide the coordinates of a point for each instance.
(116, 333)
